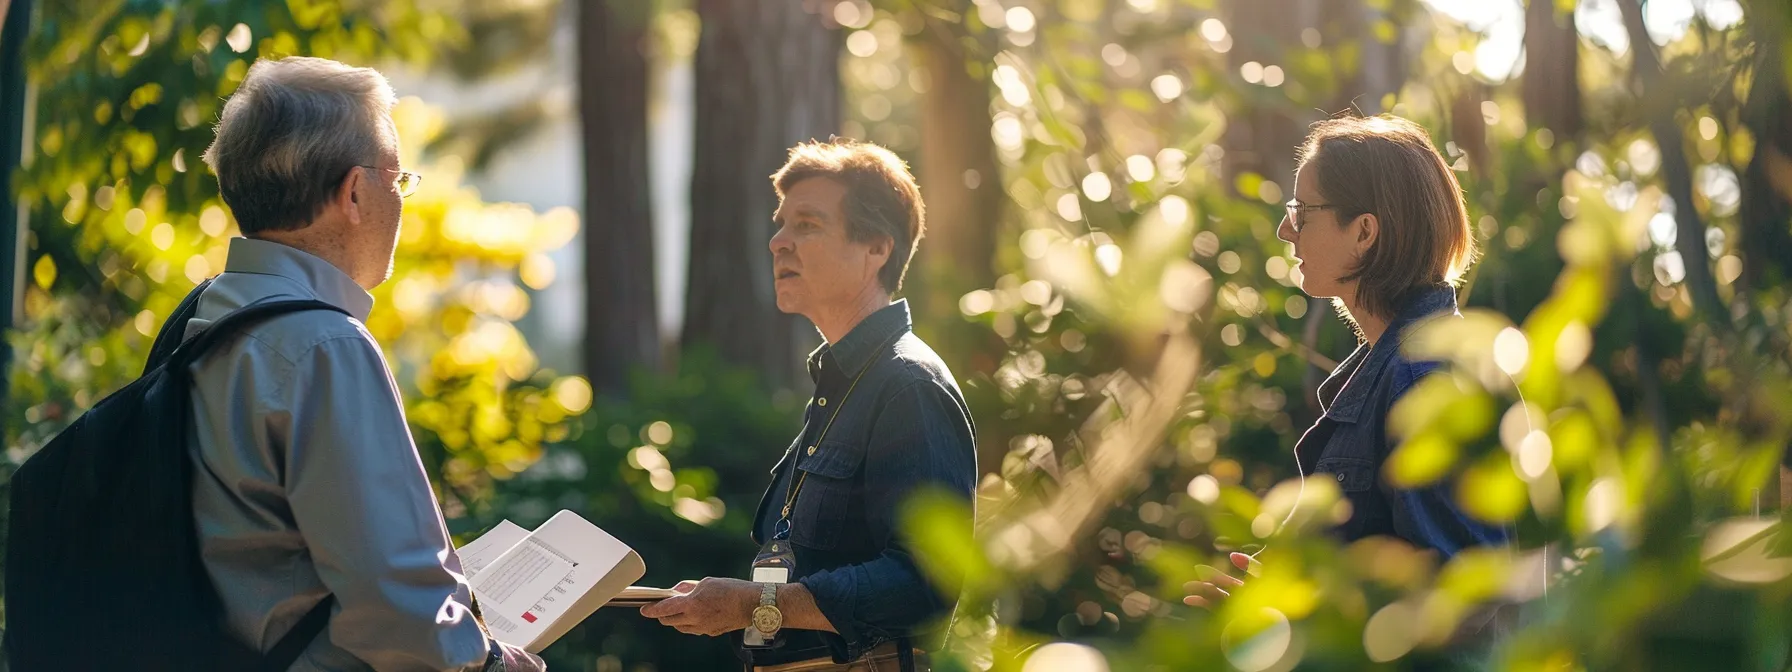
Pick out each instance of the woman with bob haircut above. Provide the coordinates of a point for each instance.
(1378, 225)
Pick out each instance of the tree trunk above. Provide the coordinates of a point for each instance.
(767, 77)
(958, 173)
(621, 326)
(1551, 86)
(1766, 205)
(1691, 227)
(1261, 138)
(1381, 70)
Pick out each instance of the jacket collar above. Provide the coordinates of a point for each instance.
(857, 347)
(1346, 391)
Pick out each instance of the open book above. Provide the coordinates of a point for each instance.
(533, 587)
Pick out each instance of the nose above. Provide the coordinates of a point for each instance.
(780, 242)
(1285, 230)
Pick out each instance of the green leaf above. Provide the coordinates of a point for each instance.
(1421, 460)
(1574, 440)
(938, 526)
(1489, 490)
(44, 271)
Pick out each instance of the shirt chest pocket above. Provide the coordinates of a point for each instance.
(1352, 475)
(826, 500)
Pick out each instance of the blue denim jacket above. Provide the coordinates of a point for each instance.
(1349, 443)
(904, 426)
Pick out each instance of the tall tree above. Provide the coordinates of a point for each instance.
(1690, 229)
(767, 77)
(1261, 136)
(1381, 66)
(1551, 86)
(1766, 207)
(621, 330)
(958, 171)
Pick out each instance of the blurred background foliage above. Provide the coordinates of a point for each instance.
(1104, 180)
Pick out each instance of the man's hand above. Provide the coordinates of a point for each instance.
(1205, 594)
(510, 658)
(709, 607)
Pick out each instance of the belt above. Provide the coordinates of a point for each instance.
(885, 658)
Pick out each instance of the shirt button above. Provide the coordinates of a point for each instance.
(812, 452)
(823, 401)
(1340, 476)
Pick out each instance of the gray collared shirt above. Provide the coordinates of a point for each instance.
(308, 484)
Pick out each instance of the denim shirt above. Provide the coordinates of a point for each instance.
(1349, 443)
(904, 427)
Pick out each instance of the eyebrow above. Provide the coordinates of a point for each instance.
(803, 210)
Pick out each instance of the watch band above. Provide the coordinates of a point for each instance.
(767, 620)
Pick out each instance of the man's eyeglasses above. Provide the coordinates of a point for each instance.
(1296, 210)
(407, 181)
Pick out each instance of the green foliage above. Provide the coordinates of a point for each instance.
(1587, 408)
(674, 469)
(1140, 369)
(125, 220)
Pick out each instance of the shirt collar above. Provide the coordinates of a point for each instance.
(328, 283)
(1358, 373)
(857, 347)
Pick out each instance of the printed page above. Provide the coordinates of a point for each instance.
(606, 566)
(482, 551)
(512, 590)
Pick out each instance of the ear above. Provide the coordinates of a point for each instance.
(348, 195)
(1368, 229)
(882, 246)
(879, 247)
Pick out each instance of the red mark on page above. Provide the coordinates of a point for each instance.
(528, 617)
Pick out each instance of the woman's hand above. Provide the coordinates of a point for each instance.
(1206, 594)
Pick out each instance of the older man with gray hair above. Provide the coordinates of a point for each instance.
(308, 487)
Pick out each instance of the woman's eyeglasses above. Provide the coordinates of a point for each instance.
(1297, 210)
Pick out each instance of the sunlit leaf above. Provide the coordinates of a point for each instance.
(1256, 640)
(1476, 574)
(1421, 460)
(938, 526)
(1489, 490)
(44, 271)
(1574, 440)
(1743, 551)
(1390, 633)
(1390, 562)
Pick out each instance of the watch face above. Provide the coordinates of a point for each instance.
(767, 620)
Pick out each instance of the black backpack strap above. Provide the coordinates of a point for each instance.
(287, 650)
(174, 330)
(242, 317)
(905, 654)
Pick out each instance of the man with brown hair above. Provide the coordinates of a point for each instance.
(886, 421)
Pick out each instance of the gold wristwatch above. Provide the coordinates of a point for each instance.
(766, 618)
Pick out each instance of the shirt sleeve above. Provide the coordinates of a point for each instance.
(364, 506)
(920, 439)
(1429, 516)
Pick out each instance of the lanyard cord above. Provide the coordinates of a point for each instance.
(797, 486)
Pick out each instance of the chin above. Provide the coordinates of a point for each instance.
(1314, 290)
(788, 305)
